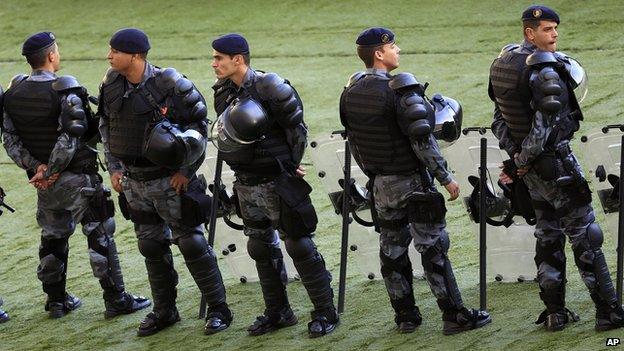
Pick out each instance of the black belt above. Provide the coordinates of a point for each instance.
(252, 180)
(144, 176)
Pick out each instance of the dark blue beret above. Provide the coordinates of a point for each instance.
(231, 44)
(539, 12)
(375, 36)
(130, 41)
(38, 42)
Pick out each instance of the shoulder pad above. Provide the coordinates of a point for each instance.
(16, 80)
(508, 48)
(110, 76)
(354, 78)
(403, 80)
(65, 83)
(540, 57)
(269, 79)
(166, 78)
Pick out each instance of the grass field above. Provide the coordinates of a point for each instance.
(450, 44)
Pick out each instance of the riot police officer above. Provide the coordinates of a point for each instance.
(262, 137)
(153, 127)
(536, 112)
(47, 122)
(390, 125)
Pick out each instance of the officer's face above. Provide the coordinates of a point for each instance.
(389, 56)
(544, 36)
(224, 65)
(119, 61)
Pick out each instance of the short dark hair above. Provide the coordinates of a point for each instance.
(142, 55)
(367, 54)
(532, 23)
(39, 58)
(246, 58)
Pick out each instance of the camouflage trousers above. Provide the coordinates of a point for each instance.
(159, 197)
(59, 209)
(260, 210)
(556, 219)
(392, 194)
(158, 200)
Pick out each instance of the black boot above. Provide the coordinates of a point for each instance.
(57, 309)
(157, 321)
(556, 320)
(609, 318)
(317, 281)
(457, 321)
(272, 320)
(125, 304)
(408, 320)
(323, 323)
(218, 319)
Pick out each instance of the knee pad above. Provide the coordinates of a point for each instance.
(51, 269)
(153, 249)
(192, 246)
(400, 264)
(300, 248)
(551, 252)
(260, 250)
(594, 236)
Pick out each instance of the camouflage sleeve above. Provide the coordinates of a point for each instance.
(113, 163)
(14, 147)
(533, 144)
(501, 131)
(297, 139)
(62, 154)
(428, 152)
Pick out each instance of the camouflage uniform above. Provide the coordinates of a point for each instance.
(258, 167)
(376, 111)
(153, 204)
(76, 197)
(540, 142)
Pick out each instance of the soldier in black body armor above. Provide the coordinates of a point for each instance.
(390, 125)
(47, 122)
(262, 137)
(536, 112)
(153, 126)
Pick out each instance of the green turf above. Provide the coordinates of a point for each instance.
(448, 43)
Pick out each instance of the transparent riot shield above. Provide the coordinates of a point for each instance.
(510, 250)
(231, 243)
(327, 153)
(601, 156)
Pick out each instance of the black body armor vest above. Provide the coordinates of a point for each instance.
(258, 158)
(368, 111)
(34, 108)
(509, 77)
(129, 118)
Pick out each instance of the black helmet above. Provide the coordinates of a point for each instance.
(448, 115)
(242, 123)
(168, 146)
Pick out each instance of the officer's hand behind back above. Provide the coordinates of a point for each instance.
(453, 190)
(116, 181)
